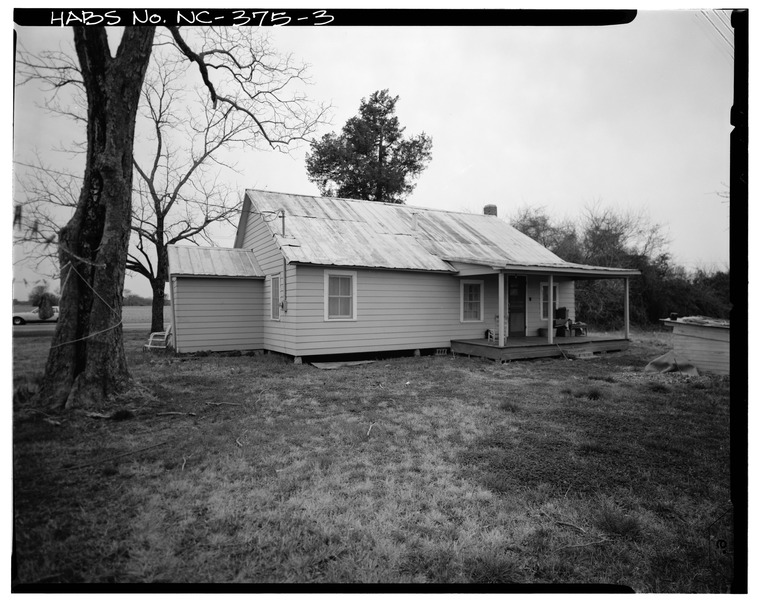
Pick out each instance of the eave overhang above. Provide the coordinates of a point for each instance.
(564, 269)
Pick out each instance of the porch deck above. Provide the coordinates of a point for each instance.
(538, 347)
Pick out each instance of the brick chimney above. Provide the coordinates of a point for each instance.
(490, 209)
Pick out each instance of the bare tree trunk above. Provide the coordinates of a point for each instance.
(159, 300)
(158, 283)
(87, 363)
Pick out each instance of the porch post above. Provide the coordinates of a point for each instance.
(550, 314)
(626, 308)
(501, 308)
(506, 324)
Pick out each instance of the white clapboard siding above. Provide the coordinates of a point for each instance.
(396, 310)
(218, 314)
(278, 335)
(706, 347)
(408, 295)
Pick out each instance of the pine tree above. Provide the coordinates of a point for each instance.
(370, 159)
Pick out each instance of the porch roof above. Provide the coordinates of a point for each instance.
(562, 268)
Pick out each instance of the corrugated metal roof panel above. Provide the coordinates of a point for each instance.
(336, 231)
(222, 262)
(344, 232)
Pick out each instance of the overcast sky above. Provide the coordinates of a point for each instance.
(634, 117)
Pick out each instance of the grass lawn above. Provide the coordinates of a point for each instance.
(407, 470)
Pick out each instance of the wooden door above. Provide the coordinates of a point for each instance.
(516, 306)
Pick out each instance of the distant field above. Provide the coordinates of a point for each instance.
(141, 314)
(132, 314)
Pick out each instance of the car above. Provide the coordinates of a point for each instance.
(32, 316)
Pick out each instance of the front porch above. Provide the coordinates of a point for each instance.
(540, 347)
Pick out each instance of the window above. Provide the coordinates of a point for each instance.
(543, 300)
(276, 301)
(340, 295)
(472, 301)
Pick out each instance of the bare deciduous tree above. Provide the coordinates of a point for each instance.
(605, 236)
(179, 192)
(86, 363)
(560, 237)
(610, 236)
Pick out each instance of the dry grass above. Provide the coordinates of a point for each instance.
(408, 470)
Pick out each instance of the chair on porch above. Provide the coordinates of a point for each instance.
(565, 327)
(579, 329)
(561, 322)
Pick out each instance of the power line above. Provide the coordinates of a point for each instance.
(714, 26)
(721, 15)
(712, 17)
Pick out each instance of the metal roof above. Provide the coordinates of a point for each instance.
(357, 233)
(196, 261)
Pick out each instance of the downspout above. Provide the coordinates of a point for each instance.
(284, 268)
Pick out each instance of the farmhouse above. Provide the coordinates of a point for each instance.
(312, 276)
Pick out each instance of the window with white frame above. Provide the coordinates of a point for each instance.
(276, 296)
(340, 295)
(544, 300)
(472, 300)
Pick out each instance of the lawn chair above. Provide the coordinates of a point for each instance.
(159, 340)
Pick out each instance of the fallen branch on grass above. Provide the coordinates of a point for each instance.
(224, 403)
(165, 414)
(119, 415)
(102, 460)
(603, 541)
(565, 524)
(40, 412)
(95, 415)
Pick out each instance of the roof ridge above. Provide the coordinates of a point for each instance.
(191, 246)
(374, 202)
(324, 197)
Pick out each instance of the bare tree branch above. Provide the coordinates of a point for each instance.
(247, 95)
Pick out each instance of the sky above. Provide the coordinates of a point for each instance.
(631, 117)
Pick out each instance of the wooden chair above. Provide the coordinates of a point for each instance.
(159, 340)
(561, 322)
